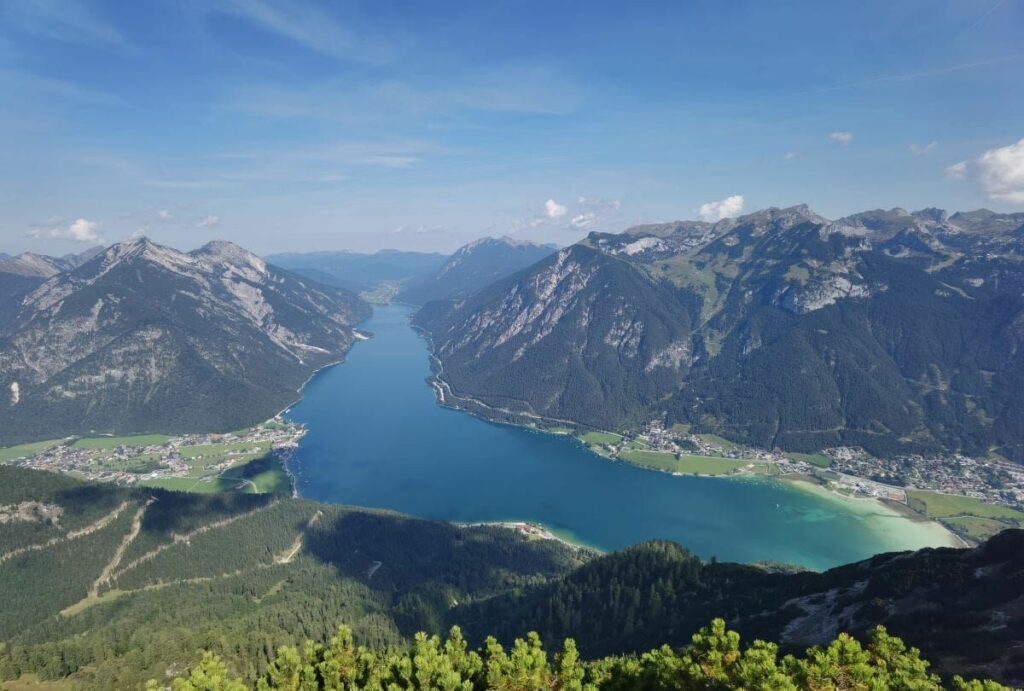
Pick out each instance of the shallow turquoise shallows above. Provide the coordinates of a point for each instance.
(376, 437)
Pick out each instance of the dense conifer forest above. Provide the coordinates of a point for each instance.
(107, 587)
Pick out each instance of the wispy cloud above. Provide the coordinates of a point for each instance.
(208, 221)
(309, 24)
(923, 149)
(70, 21)
(46, 89)
(843, 138)
(514, 88)
(957, 171)
(909, 76)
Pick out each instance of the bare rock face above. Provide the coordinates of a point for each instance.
(579, 330)
(144, 337)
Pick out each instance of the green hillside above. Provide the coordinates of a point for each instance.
(117, 586)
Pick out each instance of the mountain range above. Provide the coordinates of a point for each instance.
(888, 330)
(21, 273)
(142, 337)
(473, 267)
(360, 272)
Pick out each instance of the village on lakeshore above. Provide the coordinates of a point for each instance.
(974, 498)
(251, 459)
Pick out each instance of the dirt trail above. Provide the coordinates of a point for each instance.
(105, 574)
(287, 557)
(73, 535)
(177, 538)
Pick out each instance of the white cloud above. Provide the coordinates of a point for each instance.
(584, 220)
(723, 208)
(923, 150)
(1000, 172)
(843, 138)
(80, 230)
(164, 214)
(957, 171)
(789, 155)
(554, 210)
(208, 222)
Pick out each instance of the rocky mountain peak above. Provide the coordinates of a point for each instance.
(233, 255)
(775, 217)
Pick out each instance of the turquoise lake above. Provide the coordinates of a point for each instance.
(376, 437)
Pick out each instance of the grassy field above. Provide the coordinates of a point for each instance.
(558, 430)
(719, 441)
(816, 459)
(945, 505)
(212, 452)
(31, 682)
(692, 465)
(601, 438)
(974, 527)
(263, 475)
(966, 515)
(114, 442)
(24, 450)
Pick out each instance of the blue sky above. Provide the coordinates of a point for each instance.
(330, 125)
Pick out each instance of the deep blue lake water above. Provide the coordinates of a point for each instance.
(376, 437)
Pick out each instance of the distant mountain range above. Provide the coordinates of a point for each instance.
(473, 267)
(43, 266)
(142, 337)
(418, 277)
(890, 330)
(360, 272)
(21, 273)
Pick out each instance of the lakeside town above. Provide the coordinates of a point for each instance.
(973, 497)
(190, 461)
(991, 480)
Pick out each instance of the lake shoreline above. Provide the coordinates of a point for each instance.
(532, 530)
(446, 398)
(481, 468)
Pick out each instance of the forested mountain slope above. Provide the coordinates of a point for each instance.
(146, 338)
(472, 267)
(580, 331)
(116, 586)
(889, 330)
